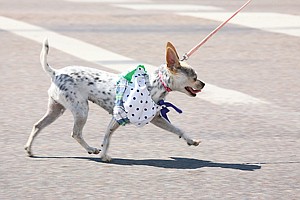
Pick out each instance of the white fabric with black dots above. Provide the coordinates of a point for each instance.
(139, 106)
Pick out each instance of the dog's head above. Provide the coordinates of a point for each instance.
(184, 77)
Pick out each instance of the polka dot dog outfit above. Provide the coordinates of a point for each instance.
(133, 102)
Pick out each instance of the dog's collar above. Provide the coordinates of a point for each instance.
(163, 83)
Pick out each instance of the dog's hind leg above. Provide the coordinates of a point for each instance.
(113, 125)
(164, 124)
(80, 113)
(54, 111)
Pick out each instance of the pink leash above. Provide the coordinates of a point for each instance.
(194, 49)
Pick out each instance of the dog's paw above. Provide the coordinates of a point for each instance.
(93, 151)
(194, 142)
(105, 158)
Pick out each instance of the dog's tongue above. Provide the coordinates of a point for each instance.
(193, 91)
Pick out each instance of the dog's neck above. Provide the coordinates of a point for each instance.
(160, 84)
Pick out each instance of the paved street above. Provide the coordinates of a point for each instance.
(247, 116)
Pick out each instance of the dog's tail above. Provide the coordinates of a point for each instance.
(43, 59)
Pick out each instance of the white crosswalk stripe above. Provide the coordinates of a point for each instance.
(107, 1)
(266, 21)
(169, 7)
(111, 60)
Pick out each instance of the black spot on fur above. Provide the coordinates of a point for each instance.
(63, 81)
(188, 71)
(62, 87)
(90, 83)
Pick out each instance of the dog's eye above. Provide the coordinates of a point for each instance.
(195, 79)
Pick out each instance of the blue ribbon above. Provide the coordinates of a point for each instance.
(165, 110)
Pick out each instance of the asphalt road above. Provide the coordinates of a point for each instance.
(248, 150)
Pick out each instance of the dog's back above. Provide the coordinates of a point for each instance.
(73, 84)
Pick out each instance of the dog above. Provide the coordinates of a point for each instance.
(73, 87)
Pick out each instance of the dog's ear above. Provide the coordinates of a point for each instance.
(170, 45)
(172, 59)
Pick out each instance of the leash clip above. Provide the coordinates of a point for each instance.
(185, 57)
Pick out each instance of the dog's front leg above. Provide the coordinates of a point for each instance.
(113, 125)
(164, 124)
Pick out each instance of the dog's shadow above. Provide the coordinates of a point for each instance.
(173, 163)
(184, 163)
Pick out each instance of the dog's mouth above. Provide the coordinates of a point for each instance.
(192, 91)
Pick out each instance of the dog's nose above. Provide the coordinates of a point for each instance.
(202, 84)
